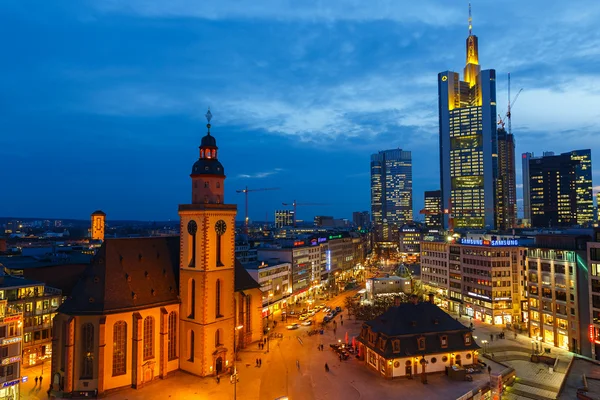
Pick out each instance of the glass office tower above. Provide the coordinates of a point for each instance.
(391, 192)
(468, 143)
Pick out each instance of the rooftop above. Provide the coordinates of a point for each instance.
(412, 319)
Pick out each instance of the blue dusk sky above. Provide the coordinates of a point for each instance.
(102, 102)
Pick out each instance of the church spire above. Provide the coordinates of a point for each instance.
(208, 116)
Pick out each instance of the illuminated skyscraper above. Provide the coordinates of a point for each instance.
(433, 207)
(560, 188)
(583, 186)
(468, 141)
(391, 192)
(526, 191)
(506, 197)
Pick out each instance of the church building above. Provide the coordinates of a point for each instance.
(146, 307)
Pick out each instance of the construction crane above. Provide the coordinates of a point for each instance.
(246, 191)
(507, 117)
(294, 204)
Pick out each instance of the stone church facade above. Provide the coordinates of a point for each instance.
(148, 306)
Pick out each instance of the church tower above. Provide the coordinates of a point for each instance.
(207, 263)
(98, 222)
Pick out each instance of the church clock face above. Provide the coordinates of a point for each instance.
(192, 227)
(220, 227)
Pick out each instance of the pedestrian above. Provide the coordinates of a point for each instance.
(491, 337)
(41, 377)
(326, 367)
(257, 362)
(297, 364)
(36, 380)
(260, 362)
(515, 334)
(334, 331)
(218, 380)
(342, 322)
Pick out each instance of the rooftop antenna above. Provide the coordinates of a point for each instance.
(470, 20)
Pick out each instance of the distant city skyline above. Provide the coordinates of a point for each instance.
(105, 105)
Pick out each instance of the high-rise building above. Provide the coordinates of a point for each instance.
(560, 188)
(553, 197)
(526, 190)
(583, 186)
(391, 192)
(506, 197)
(284, 218)
(361, 219)
(468, 142)
(433, 209)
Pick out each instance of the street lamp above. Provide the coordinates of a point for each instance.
(484, 342)
(235, 378)
(268, 313)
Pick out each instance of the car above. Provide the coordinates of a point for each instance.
(304, 317)
(338, 309)
(327, 309)
(330, 315)
(293, 326)
(312, 312)
(326, 318)
(292, 312)
(306, 323)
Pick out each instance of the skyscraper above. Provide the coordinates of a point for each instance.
(560, 188)
(433, 209)
(468, 141)
(526, 191)
(391, 192)
(553, 197)
(361, 219)
(583, 186)
(506, 196)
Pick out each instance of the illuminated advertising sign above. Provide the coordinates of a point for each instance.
(335, 237)
(321, 240)
(493, 243)
(10, 319)
(11, 383)
(299, 243)
(313, 242)
(328, 262)
(478, 295)
(11, 360)
(11, 340)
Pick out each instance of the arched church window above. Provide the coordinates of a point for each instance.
(119, 347)
(172, 335)
(87, 351)
(148, 338)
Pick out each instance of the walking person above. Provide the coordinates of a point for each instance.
(257, 362)
(297, 364)
(326, 367)
(218, 380)
(342, 322)
(36, 380)
(260, 362)
(41, 377)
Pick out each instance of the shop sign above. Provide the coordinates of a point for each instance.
(591, 333)
(299, 243)
(321, 240)
(501, 298)
(10, 319)
(478, 295)
(11, 360)
(11, 383)
(562, 332)
(11, 340)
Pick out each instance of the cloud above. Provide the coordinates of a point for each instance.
(258, 175)
(433, 13)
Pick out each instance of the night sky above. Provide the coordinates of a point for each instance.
(102, 102)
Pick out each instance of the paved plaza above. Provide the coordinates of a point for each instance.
(280, 375)
(348, 380)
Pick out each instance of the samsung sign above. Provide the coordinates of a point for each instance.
(493, 243)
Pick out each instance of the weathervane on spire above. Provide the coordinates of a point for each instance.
(470, 20)
(208, 116)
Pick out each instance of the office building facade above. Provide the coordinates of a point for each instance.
(284, 218)
(558, 291)
(361, 219)
(558, 189)
(433, 209)
(468, 142)
(391, 192)
(525, 157)
(506, 212)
